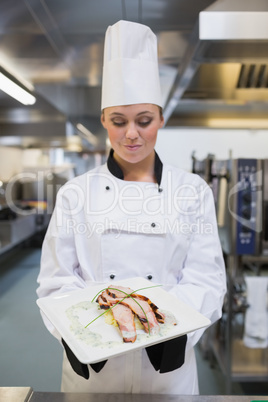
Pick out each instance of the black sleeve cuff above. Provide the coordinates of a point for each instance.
(169, 355)
(81, 368)
(165, 357)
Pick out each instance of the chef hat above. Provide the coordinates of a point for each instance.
(130, 69)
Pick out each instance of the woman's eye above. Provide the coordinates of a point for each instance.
(145, 123)
(118, 123)
(121, 123)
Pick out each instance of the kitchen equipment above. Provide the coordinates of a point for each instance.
(240, 188)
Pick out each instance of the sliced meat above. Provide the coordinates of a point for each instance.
(140, 308)
(103, 303)
(125, 320)
(110, 300)
(120, 291)
(122, 314)
(159, 316)
(124, 308)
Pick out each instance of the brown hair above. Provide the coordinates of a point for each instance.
(159, 107)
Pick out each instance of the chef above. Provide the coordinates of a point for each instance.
(135, 217)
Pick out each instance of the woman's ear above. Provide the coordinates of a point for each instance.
(102, 119)
(162, 121)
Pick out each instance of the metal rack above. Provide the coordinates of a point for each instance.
(238, 362)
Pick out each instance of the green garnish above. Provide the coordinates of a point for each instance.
(127, 295)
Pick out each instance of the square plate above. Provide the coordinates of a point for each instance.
(71, 312)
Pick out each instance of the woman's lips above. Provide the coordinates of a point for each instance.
(132, 147)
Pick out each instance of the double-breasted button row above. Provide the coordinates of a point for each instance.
(149, 276)
(159, 189)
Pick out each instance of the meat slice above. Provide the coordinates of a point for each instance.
(121, 291)
(103, 303)
(124, 308)
(140, 308)
(123, 315)
(159, 315)
(108, 299)
(125, 320)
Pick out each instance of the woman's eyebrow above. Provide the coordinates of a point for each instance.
(122, 114)
(116, 114)
(145, 112)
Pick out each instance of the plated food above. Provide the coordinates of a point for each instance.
(125, 305)
(80, 321)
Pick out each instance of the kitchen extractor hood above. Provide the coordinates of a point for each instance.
(227, 32)
(234, 20)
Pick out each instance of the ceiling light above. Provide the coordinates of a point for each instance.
(74, 143)
(15, 91)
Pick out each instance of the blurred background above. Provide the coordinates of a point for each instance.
(213, 64)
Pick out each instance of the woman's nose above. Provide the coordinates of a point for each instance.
(132, 132)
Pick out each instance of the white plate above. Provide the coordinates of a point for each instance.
(111, 344)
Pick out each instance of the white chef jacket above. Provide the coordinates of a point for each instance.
(105, 229)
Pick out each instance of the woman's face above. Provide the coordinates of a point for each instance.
(132, 130)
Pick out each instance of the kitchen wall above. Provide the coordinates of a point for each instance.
(175, 145)
(10, 162)
(34, 157)
(14, 160)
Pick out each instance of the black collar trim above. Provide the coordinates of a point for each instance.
(114, 167)
(117, 171)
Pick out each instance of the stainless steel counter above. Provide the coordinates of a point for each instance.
(69, 397)
(26, 394)
(14, 232)
(15, 394)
